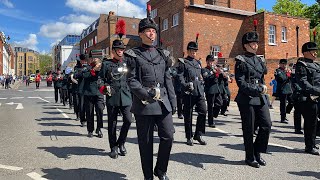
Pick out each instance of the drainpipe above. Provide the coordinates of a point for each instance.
(297, 31)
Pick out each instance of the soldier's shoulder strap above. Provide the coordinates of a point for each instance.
(300, 61)
(262, 59)
(131, 52)
(240, 58)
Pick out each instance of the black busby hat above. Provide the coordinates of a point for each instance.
(82, 57)
(283, 61)
(250, 37)
(147, 22)
(309, 46)
(192, 45)
(210, 58)
(37, 71)
(118, 44)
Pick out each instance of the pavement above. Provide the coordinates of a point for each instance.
(42, 140)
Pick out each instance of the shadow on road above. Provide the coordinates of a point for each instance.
(197, 160)
(57, 124)
(271, 148)
(53, 119)
(307, 174)
(59, 133)
(294, 139)
(66, 152)
(81, 173)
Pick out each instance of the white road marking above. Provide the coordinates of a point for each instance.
(44, 90)
(279, 145)
(19, 105)
(36, 176)
(33, 97)
(44, 100)
(3, 98)
(20, 90)
(13, 168)
(17, 98)
(64, 114)
(222, 131)
(49, 97)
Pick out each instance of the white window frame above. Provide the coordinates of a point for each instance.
(214, 50)
(165, 24)
(175, 20)
(272, 35)
(154, 13)
(284, 34)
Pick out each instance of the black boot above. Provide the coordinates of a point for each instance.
(189, 142)
(161, 175)
(99, 133)
(312, 151)
(261, 161)
(252, 163)
(122, 150)
(200, 140)
(114, 152)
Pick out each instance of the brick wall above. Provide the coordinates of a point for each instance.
(246, 5)
(1, 57)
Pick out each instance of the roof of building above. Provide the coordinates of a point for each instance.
(223, 9)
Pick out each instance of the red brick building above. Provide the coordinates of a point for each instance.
(101, 33)
(221, 25)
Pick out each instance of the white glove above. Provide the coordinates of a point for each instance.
(265, 89)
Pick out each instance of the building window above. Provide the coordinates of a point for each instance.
(154, 13)
(272, 35)
(284, 34)
(165, 24)
(214, 50)
(211, 2)
(175, 20)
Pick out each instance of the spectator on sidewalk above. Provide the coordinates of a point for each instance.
(273, 83)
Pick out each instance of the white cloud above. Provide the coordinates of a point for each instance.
(30, 43)
(79, 18)
(124, 7)
(59, 30)
(7, 3)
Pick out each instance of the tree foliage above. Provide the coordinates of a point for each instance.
(290, 7)
(313, 13)
(45, 63)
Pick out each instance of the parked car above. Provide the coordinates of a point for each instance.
(32, 78)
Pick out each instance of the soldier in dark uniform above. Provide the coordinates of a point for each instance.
(64, 87)
(178, 90)
(70, 87)
(308, 78)
(284, 91)
(296, 94)
(252, 100)
(210, 75)
(118, 98)
(154, 99)
(227, 94)
(57, 84)
(189, 71)
(75, 90)
(92, 97)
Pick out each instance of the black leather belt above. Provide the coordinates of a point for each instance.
(152, 84)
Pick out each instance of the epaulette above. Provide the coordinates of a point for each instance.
(130, 52)
(302, 62)
(262, 59)
(240, 58)
(181, 60)
(166, 52)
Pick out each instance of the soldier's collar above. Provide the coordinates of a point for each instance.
(249, 54)
(308, 60)
(189, 58)
(148, 47)
(116, 60)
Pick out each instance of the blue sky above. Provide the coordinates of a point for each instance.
(38, 24)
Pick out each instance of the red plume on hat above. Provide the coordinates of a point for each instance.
(121, 28)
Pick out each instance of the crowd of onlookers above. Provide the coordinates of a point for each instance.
(7, 80)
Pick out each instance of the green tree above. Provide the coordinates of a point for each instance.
(313, 13)
(261, 10)
(290, 7)
(45, 62)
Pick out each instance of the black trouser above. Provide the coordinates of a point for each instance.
(94, 103)
(56, 91)
(283, 104)
(309, 112)
(214, 102)
(70, 98)
(179, 96)
(6, 86)
(27, 82)
(297, 117)
(37, 84)
(225, 104)
(64, 96)
(145, 125)
(112, 124)
(82, 108)
(251, 115)
(189, 101)
(76, 104)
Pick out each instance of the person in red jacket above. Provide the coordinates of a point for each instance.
(38, 79)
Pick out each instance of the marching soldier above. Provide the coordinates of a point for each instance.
(70, 88)
(92, 97)
(75, 88)
(296, 94)
(64, 87)
(284, 91)
(178, 90)
(227, 94)
(57, 84)
(118, 98)
(211, 88)
(252, 100)
(154, 99)
(78, 76)
(308, 78)
(189, 72)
